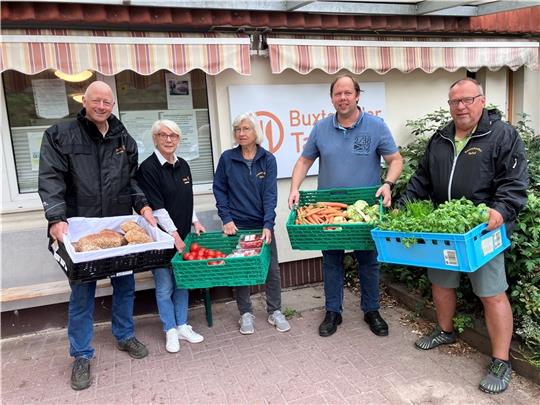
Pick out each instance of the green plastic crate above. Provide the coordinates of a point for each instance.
(234, 271)
(347, 236)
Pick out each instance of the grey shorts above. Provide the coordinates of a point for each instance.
(488, 281)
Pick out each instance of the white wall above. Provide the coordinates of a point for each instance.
(526, 96)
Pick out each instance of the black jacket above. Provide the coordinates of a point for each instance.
(82, 173)
(491, 168)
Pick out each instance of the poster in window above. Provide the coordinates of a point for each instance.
(187, 121)
(34, 146)
(50, 98)
(139, 125)
(179, 96)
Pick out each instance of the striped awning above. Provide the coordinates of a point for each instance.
(32, 51)
(357, 54)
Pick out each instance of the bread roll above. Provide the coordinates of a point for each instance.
(134, 237)
(131, 225)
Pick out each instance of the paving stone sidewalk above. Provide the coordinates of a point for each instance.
(298, 367)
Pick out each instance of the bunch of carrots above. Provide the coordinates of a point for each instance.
(321, 213)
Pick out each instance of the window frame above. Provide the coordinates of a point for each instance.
(14, 201)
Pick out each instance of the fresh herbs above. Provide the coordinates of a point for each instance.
(454, 216)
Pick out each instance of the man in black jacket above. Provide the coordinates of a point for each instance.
(482, 158)
(87, 169)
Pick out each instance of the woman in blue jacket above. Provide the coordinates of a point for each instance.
(245, 189)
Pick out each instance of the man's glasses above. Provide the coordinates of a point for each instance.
(172, 137)
(465, 100)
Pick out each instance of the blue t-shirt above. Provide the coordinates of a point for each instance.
(349, 157)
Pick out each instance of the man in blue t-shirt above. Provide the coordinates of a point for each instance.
(349, 146)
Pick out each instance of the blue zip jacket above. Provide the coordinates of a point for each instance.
(243, 195)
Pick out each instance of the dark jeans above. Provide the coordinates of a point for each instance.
(368, 273)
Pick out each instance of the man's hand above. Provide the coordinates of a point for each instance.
(58, 230)
(385, 191)
(495, 219)
(267, 235)
(149, 216)
(230, 228)
(294, 197)
(198, 227)
(179, 244)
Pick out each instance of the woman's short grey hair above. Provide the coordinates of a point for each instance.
(173, 126)
(254, 123)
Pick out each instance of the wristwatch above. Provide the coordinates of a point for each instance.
(390, 183)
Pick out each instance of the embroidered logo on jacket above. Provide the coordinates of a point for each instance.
(120, 149)
(473, 151)
(186, 180)
(261, 175)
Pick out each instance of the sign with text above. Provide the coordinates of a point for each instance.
(287, 114)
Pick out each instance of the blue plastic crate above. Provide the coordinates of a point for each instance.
(446, 251)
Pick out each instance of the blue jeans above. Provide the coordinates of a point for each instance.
(81, 314)
(368, 273)
(172, 302)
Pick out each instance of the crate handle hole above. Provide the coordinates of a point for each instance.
(421, 241)
(447, 242)
(434, 242)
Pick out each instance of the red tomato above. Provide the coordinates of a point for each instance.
(186, 255)
(194, 247)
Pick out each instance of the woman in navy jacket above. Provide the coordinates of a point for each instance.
(245, 189)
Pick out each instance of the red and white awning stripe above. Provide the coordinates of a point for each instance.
(358, 55)
(32, 51)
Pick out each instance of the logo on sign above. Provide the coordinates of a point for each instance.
(272, 128)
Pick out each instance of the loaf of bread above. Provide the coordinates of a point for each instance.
(134, 237)
(105, 239)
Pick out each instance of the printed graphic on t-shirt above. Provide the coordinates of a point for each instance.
(362, 145)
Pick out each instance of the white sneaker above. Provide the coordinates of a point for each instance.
(246, 324)
(172, 345)
(185, 332)
(278, 320)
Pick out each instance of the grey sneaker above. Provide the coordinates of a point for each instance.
(278, 320)
(437, 338)
(134, 348)
(246, 324)
(80, 374)
(497, 378)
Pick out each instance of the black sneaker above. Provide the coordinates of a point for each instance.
(80, 374)
(134, 348)
(436, 338)
(497, 378)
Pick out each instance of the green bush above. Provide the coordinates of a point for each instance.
(522, 259)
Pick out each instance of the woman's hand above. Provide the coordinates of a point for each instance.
(179, 244)
(267, 235)
(229, 228)
(198, 227)
(149, 216)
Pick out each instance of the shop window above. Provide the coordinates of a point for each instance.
(35, 102)
(163, 95)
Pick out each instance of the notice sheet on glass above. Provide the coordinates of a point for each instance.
(50, 98)
(179, 96)
(34, 146)
(139, 125)
(186, 120)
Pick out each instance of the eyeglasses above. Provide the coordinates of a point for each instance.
(240, 129)
(465, 100)
(106, 103)
(172, 137)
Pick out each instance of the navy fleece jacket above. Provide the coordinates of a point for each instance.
(243, 195)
